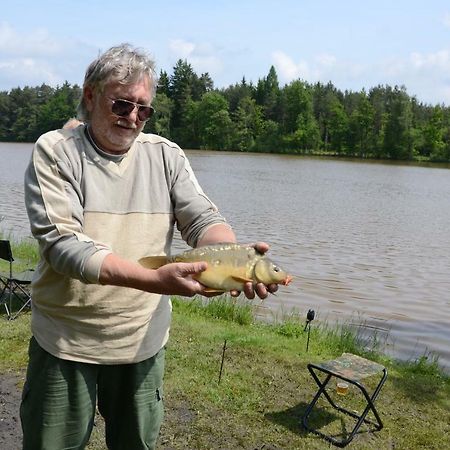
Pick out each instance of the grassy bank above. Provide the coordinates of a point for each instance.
(265, 386)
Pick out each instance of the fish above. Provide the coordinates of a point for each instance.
(230, 266)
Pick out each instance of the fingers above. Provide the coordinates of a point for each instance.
(261, 247)
(272, 288)
(193, 268)
(260, 290)
(180, 279)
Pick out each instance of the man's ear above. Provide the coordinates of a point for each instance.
(88, 96)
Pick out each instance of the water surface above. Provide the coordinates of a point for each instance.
(367, 243)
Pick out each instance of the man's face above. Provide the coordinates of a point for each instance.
(114, 134)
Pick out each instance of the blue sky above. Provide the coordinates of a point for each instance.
(354, 44)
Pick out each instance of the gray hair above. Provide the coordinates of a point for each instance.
(123, 64)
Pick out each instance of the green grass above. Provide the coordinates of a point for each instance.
(25, 253)
(265, 385)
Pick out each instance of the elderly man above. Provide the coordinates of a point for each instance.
(99, 197)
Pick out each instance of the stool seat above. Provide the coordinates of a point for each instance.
(351, 366)
(351, 369)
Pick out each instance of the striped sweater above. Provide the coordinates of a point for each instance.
(83, 206)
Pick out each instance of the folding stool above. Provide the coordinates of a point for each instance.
(350, 369)
(13, 283)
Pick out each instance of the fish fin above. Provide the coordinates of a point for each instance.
(214, 291)
(153, 262)
(242, 279)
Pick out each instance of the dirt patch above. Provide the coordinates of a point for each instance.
(10, 395)
(180, 419)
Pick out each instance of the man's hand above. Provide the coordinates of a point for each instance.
(178, 279)
(260, 289)
(171, 279)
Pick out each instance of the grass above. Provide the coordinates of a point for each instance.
(25, 253)
(265, 386)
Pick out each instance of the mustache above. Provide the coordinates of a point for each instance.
(126, 124)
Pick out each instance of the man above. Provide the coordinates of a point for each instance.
(99, 197)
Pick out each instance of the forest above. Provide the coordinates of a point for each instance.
(297, 118)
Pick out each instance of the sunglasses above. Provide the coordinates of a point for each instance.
(124, 108)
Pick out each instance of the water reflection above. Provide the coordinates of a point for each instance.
(13, 218)
(367, 243)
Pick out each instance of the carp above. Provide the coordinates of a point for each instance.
(230, 266)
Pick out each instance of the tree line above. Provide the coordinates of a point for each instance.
(299, 117)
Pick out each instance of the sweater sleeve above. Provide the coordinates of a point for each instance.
(54, 202)
(194, 211)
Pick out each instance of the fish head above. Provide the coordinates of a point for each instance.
(267, 272)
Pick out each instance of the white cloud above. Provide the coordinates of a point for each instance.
(438, 60)
(446, 20)
(287, 69)
(202, 57)
(326, 60)
(425, 75)
(27, 72)
(316, 70)
(36, 56)
(36, 42)
(181, 49)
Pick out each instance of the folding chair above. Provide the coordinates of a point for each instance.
(351, 369)
(14, 283)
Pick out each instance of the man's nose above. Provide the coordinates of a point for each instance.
(133, 114)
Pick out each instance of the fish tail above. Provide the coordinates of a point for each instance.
(153, 262)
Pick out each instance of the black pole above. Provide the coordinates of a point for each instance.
(309, 333)
(309, 319)
(223, 358)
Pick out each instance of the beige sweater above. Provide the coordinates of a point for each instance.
(81, 207)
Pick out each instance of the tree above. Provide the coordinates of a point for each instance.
(360, 126)
(213, 122)
(5, 118)
(326, 101)
(434, 133)
(385, 123)
(300, 127)
(236, 92)
(163, 83)
(338, 126)
(181, 87)
(23, 104)
(160, 122)
(202, 85)
(269, 138)
(248, 124)
(58, 108)
(398, 142)
(267, 95)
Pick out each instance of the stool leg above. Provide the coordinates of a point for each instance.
(322, 387)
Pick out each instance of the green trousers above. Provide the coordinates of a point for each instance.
(59, 400)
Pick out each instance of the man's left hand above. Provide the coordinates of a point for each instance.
(260, 289)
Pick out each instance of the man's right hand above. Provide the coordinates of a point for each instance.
(178, 279)
(170, 279)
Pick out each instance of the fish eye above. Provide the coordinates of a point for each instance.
(276, 269)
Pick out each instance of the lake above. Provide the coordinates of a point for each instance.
(367, 242)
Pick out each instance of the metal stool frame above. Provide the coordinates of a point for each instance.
(14, 282)
(345, 375)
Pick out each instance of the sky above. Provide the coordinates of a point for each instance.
(355, 44)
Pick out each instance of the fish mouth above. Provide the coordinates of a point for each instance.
(287, 280)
